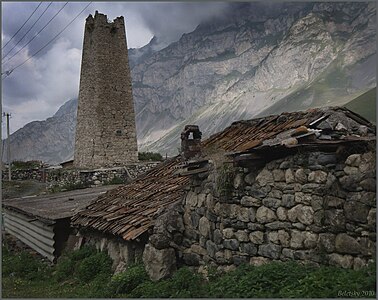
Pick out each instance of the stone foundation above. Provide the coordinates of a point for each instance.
(121, 252)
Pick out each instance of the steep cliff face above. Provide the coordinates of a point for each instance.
(51, 141)
(252, 62)
(255, 60)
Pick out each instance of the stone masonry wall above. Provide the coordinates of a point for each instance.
(64, 177)
(315, 207)
(105, 130)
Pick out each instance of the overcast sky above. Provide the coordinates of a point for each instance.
(38, 88)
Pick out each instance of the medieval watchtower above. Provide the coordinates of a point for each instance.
(105, 130)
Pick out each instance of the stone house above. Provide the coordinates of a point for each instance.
(296, 186)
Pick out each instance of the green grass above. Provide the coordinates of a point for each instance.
(85, 273)
(365, 105)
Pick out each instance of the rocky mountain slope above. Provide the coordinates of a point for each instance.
(254, 60)
(51, 141)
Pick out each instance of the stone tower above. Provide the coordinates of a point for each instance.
(105, 130)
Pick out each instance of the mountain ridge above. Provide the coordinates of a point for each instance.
(247, 63)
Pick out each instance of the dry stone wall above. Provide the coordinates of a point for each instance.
(315, 207)
(91, 178)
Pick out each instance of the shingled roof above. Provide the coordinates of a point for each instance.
(130, 210)
(325, 125)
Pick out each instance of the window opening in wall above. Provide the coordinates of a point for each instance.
(191, 136)
(119, 132)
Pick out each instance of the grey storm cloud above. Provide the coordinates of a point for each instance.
(38, 88)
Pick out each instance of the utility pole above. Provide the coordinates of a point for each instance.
(8, 148)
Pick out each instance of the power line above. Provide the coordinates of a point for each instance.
(22, 26)
(7, 73)
(28, 30)
(38, 32)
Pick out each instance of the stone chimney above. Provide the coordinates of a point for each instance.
(191, 142)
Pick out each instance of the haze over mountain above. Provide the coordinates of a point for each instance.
(254, 60)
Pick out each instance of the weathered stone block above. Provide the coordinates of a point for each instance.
(284, 238)
(228, 233)
(231, 244)
(346, 244)
(197, 249)
(300, 176)
(344, 261)
(351, 182)
(243, 214)
(288, 200)
(211, 248)
(356, 211)
(201, 199)
(204, 227)
(335, 219)
(289, 176)
(238, 181)
(217, 236)
(371, 218)
(238, 260)
(250, 178)
(288, 253)
(257, 237)
(264, 177)
(331, 201)
(368, 184)
(273, 237)
(159, 264)
(350, 170)
(327, 242)
(248, 248)
(275, 194)
(259, 192)
(250, 201)
(271, 202)
(358, 263)
(278, 225)
(265, 215)
(241, 236)
(317, 176)
(316, 203)
(311, 240)
(305, 215)
(297, 239)
(258, 261)
(270, 250)
(353, 160)
(279, 175)
(292, 213)
(191, 199)
(281, 214)
(191, 259)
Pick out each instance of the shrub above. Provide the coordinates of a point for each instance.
(64, 268)
(125, 282)
(24, 265)
(149, 156)
(94, 265)
(82, 253)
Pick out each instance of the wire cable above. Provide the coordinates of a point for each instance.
(7, 73)
(22, 26)
(28, 30)
(38, 32)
